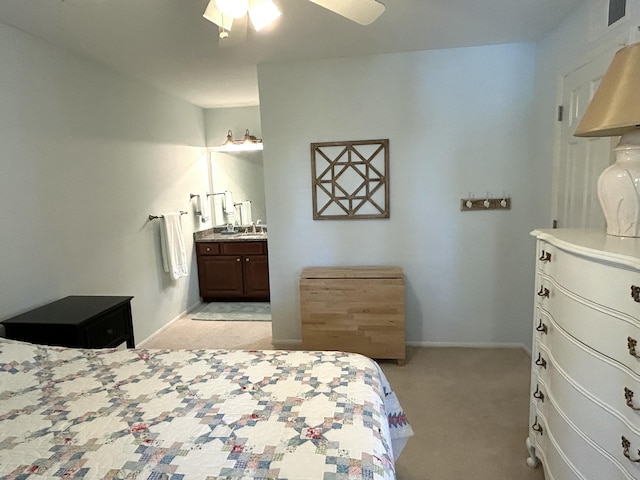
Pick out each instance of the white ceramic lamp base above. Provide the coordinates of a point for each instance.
(619, 188)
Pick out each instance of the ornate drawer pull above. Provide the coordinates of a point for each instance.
(626, 445)
(544, 292)
(536, 427)
(628, 395)
(541, 326)
(635, 293)
(541, 362)
(545, 257)
(631, 345)
(538, 394)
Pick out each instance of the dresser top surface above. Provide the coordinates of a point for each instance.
(352, 272)
(594, 243)
(71, 310)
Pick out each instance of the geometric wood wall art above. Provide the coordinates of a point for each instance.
(350, 180)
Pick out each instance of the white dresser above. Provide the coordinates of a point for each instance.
(585, 369)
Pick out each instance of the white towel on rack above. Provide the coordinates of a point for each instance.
(202, 207)
(228, 203)
(174, 256)
(245, 213)
(218, 210)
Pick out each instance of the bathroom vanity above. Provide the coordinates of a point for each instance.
(232, 267)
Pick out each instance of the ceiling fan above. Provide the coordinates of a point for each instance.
(228, 13)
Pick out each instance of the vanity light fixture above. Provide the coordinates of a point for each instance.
(248, 143)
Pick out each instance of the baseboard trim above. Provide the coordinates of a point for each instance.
(468, 345)
(294, 343)
(287, 343)
(168, 324)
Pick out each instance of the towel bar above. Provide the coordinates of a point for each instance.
(153, 217)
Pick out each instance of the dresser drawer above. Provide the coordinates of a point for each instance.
(208, 248)
(605, 331)
(574, 454)
(110, 330)
(596, 281)
(552, 459)
(243, 248)
(591, 393)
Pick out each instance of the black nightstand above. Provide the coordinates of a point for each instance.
(76, 321)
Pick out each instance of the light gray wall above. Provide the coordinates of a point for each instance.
(86, 156)
(236, 119)
(458, 123)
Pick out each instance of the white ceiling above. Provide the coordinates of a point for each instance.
(167, 43)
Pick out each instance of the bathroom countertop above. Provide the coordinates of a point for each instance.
(214, 235)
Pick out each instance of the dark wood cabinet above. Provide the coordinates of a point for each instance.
(76, 321)
(233, 270)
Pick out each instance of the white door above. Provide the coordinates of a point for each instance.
(580, 160)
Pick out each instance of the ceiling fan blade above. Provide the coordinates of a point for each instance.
(363, 12)
(237, 35)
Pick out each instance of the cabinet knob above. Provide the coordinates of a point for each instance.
(626, 445)
(541, 362)
(541, 326)
(246, 259)
(538, 394)
(545, 257)
(208, 249)
(543, 292)
(238, 259)
(631, 345)
(536, 426)
(635, 293)
(628, 396)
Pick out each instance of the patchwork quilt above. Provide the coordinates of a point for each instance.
(201, 414)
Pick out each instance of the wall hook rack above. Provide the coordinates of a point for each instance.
(486, 203)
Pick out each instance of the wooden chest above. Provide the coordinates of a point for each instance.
(354, 309)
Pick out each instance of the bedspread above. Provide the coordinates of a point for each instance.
(160, 414)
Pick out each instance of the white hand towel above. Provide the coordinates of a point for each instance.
(228, 203)
(218, 210)
(174, 256)
(245, 213)
(202, 207)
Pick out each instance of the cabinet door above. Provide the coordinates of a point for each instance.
(256, 276)
(220, 276)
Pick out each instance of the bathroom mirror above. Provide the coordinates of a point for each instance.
(242, 174)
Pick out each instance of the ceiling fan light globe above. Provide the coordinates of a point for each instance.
(214, 15)
(262, 13)
(233, 8)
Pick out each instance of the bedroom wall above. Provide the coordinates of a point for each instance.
(458, 124)
(86, 156)
(237, 119)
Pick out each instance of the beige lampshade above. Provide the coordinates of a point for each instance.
(615, 107)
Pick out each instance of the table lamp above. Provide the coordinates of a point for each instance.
(613, 111)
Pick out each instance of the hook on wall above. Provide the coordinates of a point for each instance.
(486, 203)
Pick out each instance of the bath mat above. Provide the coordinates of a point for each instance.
(234, 312)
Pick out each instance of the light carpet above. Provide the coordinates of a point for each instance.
(234, 312)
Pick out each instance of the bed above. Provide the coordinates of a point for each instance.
(182, 414)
